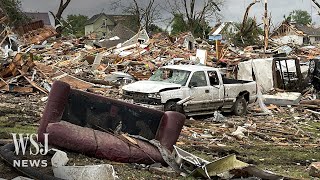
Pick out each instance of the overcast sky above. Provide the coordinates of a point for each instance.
(233, 10)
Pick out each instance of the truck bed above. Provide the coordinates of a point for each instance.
(232, 90)
(234, 81)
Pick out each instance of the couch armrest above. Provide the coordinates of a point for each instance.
(57, 100)
(170, 128)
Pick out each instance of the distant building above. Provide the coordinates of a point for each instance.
(119, 34)
(186, 40)
(101, 25)
(292, 33)
(37, 16)
(141, 37)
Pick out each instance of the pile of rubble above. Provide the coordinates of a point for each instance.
(31, 61)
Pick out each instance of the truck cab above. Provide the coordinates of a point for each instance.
(192, 90)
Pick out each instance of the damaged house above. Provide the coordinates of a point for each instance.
(101, 25)
(223, 31)
(39, 16)
(292, 33)
(186, 40)
(119, 34)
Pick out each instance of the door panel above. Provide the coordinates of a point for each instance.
(200, 92)
(217, 89)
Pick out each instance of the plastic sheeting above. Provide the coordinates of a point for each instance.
(261, 69)
(260, 101)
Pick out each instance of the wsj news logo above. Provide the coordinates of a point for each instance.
(21, 144)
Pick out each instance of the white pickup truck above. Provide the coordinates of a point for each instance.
(192, 90)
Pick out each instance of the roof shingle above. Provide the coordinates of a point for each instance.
(37, 16)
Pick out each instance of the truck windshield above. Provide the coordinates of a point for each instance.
(171, 75)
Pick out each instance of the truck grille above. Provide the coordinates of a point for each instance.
(140, 98)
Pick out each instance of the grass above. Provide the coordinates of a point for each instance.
(290, 161)
(5, 130)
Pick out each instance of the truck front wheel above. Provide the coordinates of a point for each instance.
(240, 106)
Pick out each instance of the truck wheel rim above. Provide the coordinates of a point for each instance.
(312, 66)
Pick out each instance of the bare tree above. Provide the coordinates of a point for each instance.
(196, 12)
(147, 12)
(57, 17)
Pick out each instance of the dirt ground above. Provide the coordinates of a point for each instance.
(285, 143)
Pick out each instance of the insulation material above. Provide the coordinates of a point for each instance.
(245, 71)
(261, 69)
(260, 101)
(202, 55)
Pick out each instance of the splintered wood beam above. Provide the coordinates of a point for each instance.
(246, 14)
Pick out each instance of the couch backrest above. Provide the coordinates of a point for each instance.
(106, 114)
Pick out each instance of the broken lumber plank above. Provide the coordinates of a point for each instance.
(34, 84)
(2, 82)
(311, 102)
(17, 89)
(308, 106)
(5, 141)
(315, 112)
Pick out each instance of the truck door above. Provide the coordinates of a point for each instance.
(217, 90)
(199, 90)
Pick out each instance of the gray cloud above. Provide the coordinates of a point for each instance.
(233, 10)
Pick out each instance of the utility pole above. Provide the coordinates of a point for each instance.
(266, 25)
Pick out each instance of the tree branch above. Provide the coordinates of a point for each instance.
(316, 3)
(246, 14)
(186, 9)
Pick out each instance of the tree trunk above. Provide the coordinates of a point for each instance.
(246, 16)
(266, 25)
(58, 16)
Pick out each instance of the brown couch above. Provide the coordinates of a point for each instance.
(85, 122)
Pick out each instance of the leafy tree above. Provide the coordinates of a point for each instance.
(249, 33)
(178, 25)
(12, 9)
(154, 28)
(75, 24)
(196, 14)
(300, 17)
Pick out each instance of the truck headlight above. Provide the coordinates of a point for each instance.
(154, 96)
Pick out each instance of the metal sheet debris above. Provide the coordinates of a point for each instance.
(89, 172)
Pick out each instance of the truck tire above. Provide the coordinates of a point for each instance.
(312, 67)
(172, 106)
(240, 106)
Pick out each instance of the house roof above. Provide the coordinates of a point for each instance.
(218, 28)
(181, 37)
(115, 18)
(94, 18)
(37, 16)
(308, 30)
(123, 32)
(299, 29)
